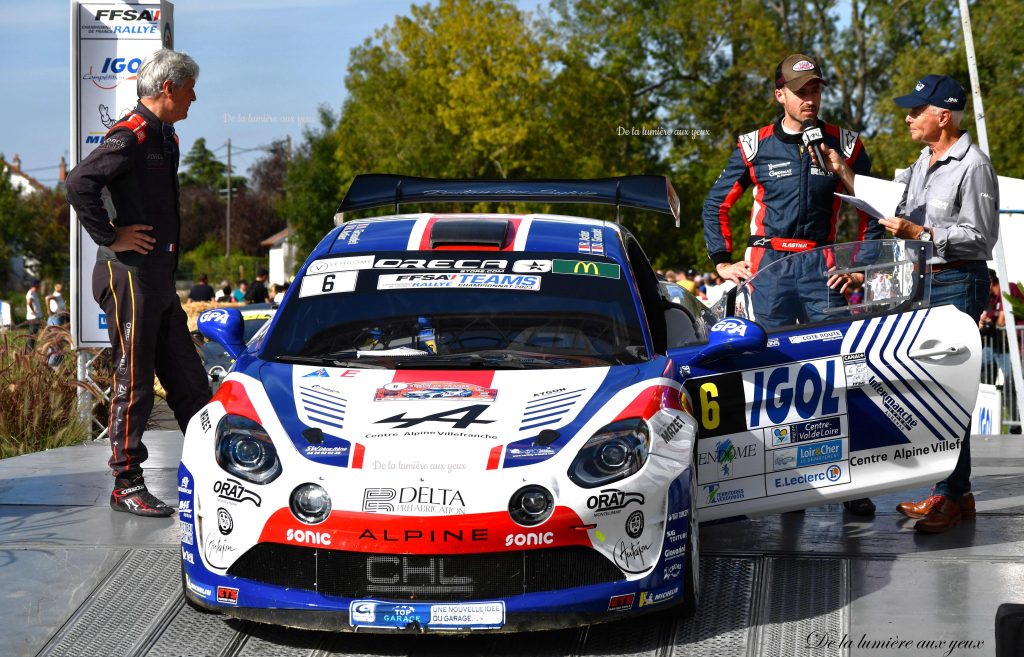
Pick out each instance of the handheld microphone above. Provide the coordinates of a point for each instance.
(814, 140)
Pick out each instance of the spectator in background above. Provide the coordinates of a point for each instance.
(279, 292)
(686, 281)
(201, 291)
(994, 356)
(223, 293)
(56, 306)
(258, 292)
(33, 313)
(239, 294)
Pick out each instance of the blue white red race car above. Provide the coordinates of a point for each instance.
(460, 423)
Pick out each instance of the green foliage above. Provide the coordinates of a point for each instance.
(208, 258)
(483, 90)
(313, 183)
(38, 403)
(203, 169)
(16, 218)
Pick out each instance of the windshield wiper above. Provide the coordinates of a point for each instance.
(325, 361)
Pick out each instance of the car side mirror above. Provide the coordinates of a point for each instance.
(730, 337)
(225, 327)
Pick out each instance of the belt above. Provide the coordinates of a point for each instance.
(791, 244)
(954, 264)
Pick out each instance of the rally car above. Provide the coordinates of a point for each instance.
(464, 423)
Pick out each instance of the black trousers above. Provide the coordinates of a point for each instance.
(148, 334)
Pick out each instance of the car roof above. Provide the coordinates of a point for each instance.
(470, 232)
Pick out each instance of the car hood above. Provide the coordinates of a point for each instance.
(387, 419)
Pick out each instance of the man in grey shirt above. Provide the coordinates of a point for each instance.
(952, 199)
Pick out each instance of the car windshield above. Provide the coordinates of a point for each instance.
(460, 310)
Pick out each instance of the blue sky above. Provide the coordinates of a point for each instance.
(266, 58)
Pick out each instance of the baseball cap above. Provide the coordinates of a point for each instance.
(795, 71)
(936, 90)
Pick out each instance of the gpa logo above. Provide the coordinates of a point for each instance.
(730, 326)
(218, 315)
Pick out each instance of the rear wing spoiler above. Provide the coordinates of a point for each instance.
(642, 192)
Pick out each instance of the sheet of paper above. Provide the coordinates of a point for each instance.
(875, 196)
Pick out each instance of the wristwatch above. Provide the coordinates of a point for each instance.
(926, 235)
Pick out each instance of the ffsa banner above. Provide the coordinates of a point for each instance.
(109, 40)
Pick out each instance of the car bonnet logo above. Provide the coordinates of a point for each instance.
(460, 418)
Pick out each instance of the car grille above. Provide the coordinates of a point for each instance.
(439, 578)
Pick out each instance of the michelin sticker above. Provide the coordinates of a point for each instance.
(332, 283)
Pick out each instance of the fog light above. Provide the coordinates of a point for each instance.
(531, 505)
(310, 503)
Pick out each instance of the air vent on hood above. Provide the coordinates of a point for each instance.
(477, 233)
(322, 406)
(549, 410)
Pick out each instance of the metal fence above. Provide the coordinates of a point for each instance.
(995, 370)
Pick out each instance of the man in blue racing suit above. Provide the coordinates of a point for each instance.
(795, 207)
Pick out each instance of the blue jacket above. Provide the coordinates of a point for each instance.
(792, 199)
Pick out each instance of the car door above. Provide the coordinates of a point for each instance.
(873, 398)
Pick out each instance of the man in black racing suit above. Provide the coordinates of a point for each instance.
(133, 280)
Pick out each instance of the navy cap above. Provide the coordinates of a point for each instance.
(936, 90)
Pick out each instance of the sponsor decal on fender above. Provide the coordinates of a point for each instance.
(648, 598)
(621, 602)
(613, 500)
(227, 595)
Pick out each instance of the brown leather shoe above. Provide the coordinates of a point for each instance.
(920, 509)
(943, 516)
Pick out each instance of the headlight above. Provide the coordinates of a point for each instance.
(245, 450)
(615, 452)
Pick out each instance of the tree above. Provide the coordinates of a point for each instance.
(203, 169)
(16, 219)
(313, 182)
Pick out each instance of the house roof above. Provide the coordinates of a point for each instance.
(276, 239)
(24, 182)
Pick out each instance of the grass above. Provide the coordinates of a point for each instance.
(39, 402)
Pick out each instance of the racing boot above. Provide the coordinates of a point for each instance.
(943, 515)
(918, 510)
(132, 496)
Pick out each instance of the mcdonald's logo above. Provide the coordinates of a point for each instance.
(585, 268)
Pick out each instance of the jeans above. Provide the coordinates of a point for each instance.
(966, 289)
(794, 290)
